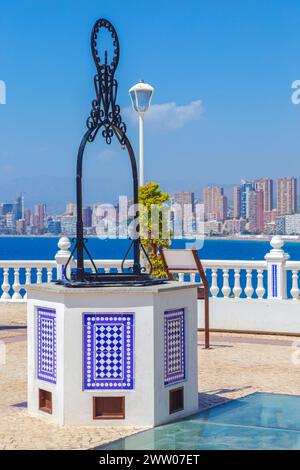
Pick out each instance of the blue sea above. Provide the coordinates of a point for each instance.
(44, 248)
(41, 248)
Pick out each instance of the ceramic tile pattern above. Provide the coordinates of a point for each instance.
(108, 351)
(174, 347)
(46, 345)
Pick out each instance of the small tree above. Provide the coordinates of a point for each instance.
(151, 200)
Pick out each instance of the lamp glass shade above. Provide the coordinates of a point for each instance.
(141, 95)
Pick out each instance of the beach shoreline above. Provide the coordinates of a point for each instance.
(246, 238)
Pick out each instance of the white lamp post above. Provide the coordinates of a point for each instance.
(141, 95)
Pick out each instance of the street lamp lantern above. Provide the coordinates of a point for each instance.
(141, 95)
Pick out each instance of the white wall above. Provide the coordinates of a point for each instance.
(252, 315)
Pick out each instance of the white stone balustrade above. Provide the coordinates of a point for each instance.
(244, 279)
(38, 271)
(229, 279)
(33, 272)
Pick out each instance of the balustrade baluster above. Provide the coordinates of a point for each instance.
(193, 277)
(237, 290)
(260, 290)
(39, 275)
(225, 288)
(49, 274)
(5, 285)
(28, 277)
(214, 289)
(16, 285)
(295, 288)
(27, 280)
(181, 277)
(249, 289)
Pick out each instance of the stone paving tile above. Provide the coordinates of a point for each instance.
(230, 369)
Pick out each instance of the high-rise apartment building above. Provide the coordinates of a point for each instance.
(19, 207)
(215, 203)
(87, 215)
(71, 208)
(245, 188)
(39, 216)
(184, 198)
(236, 202)
(266, 186)
(256, 210)
(260, 204)
(286, 195)
(27, 216)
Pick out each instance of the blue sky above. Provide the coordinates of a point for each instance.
(222, 72)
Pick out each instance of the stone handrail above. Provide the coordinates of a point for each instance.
(269, 278)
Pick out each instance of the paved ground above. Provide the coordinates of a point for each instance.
(236, 365)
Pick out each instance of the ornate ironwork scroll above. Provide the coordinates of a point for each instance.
(105, 116)
(105, 112)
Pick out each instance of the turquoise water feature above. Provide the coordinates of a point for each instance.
(258, 421)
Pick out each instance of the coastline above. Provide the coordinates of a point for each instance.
(245, 238)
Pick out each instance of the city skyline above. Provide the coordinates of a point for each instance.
(228, 192)
(257, 207)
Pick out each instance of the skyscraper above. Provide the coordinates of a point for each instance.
(27, 216)
(260, 204)
(184, 198)
(39, 217)
(256, 210)
(87, 214)
(286, 195)
(236, 202)
(215, 203)
(266, 186)
(246, 187)
(19, 207)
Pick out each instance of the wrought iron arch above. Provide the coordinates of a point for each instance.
(105, 115)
